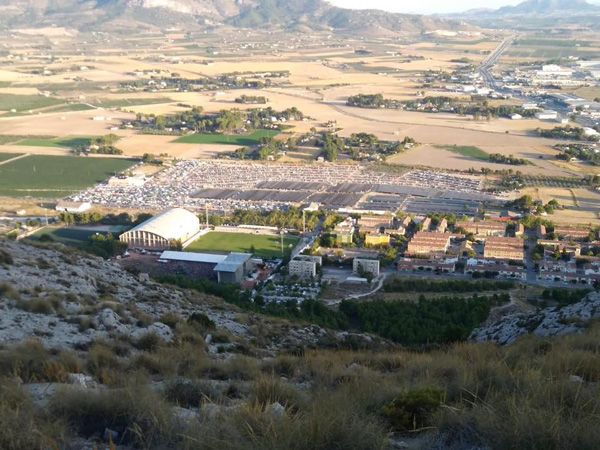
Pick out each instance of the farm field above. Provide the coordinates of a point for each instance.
(26, 102)
(56, 176)
(226, 139)
(468, 151)
(442, 157)
(124, 102)
(266, 246)
(582, 204)
(64, 142)
(7, 156)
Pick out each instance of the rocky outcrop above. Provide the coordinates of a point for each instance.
(545, 322)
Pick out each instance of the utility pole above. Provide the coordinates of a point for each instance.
(206, 211)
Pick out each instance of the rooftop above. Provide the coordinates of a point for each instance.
(206, 258)
(169, 224)
(232, 262)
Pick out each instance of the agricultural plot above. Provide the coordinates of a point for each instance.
(124, 102)
(56, 176)
(552, 52)
(266, 246)
(227, 139)
(17, 102)
(553, 182)
(468, 151)
(64, 142)
(7, 156)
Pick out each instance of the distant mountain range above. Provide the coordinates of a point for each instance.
(548, 7)
(532, 12)
(292, 14)
(528, 8)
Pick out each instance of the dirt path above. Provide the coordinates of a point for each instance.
(15, 158)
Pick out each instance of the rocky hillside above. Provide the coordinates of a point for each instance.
(92, 357)
(190, 14)
(545, 322)
(68, 299)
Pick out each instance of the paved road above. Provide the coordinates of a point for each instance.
(488, 63)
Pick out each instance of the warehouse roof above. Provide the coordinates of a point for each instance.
(169, 224)
(207, 258)
(233, 262)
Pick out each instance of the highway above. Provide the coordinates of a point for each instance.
(488, 63)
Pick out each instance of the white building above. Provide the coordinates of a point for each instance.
(160, 231)
(547, 114)
(305, 266)
(368, 265)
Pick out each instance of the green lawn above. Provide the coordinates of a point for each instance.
(26, 102)
(63, 142)
(266, 246)
(56, 176)
(468, 151)
(7, 156)
(237, 139)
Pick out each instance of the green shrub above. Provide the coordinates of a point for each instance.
(138, 414)
(148, 342)
(202, 321)
(412, 410)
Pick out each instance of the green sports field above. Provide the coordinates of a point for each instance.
(234, 139)
(468, 151)
(75, 235)
(63, 142)
(266, 246)
(56, 176)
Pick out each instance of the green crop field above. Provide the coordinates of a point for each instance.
(468, 151)
(10, 138)
(69, 107)
(64, 142)
(124, 102)
(56, 176)
(7, 156)
(266, 246)
(26, 102)
(237, 139)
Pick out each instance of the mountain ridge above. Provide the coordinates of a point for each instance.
(314, 14)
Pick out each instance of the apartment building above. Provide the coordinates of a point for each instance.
(368, 265)
(484, 227)
(504, 248)
(305, 266)
(424, 243)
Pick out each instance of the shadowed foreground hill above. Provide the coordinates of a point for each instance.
(170, 369)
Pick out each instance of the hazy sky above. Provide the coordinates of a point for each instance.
(424, 6)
